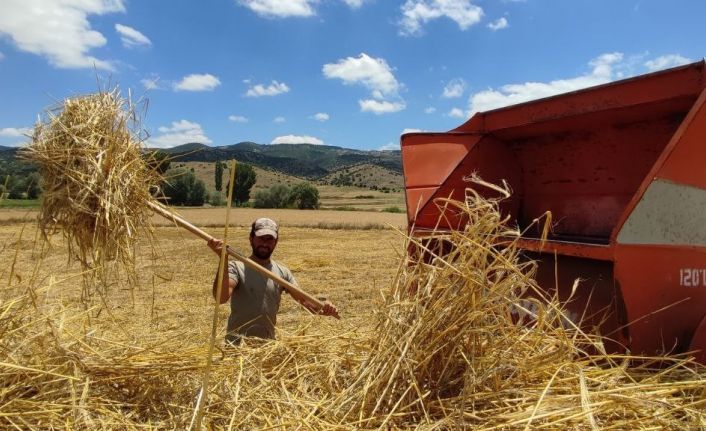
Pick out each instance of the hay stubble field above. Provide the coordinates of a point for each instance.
(170, 305)
(348, 265)
(418, 347)
(245, 216)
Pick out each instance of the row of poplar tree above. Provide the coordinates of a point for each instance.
(183, 188)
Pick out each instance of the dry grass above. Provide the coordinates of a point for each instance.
(333, 197)
(440, 349)
(368, 175)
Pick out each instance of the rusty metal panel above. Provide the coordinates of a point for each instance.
(664, 289)
(686, 163)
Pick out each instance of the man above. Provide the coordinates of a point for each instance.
(254, 298)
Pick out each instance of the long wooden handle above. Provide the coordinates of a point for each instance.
(293, 290)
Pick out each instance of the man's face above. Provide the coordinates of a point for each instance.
(263, 246)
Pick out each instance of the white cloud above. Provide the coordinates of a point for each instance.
(180, 132)
(57, 30)
(273, 89)
(604, 64)
(454, 88)
(603, 71)
(281, 8)
(415, 13)
(456, 113)
(666, 61)
(237, 119)
(151, 83)
(390, 146)
(279, 120)
(321, 116)
(354, 4)
(375, 75)
(294, 139)
(197, 82)
(498, 24)
(131, 37)
(290, 8)
(380, 106)
(180, 126)
(15, 132)
(429, 110)
(2, 55)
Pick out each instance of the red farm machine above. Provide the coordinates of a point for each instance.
(622, 168)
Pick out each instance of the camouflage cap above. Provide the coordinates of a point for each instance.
(265, 226)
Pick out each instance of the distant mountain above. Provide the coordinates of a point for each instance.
(185, 148)
(301, 160)
(7, 153)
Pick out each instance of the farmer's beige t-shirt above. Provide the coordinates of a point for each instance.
(255, 299)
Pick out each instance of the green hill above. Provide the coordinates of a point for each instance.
(322, 164)
(300, 160)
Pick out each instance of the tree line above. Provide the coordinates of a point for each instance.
(21, 187)
(182, 188)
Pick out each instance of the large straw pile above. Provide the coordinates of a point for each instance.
(458, 344)
(447, 352)
(96, 181)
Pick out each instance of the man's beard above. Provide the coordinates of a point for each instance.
(262, 252)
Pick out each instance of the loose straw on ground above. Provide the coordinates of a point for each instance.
(454, 346)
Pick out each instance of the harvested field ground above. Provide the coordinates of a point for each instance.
(287, 217)
(427, 347)
(171, 305)
(244, 216)
(348, 266)
(333, 197)
(18, 215)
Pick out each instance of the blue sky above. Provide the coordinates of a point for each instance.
(349, 73)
